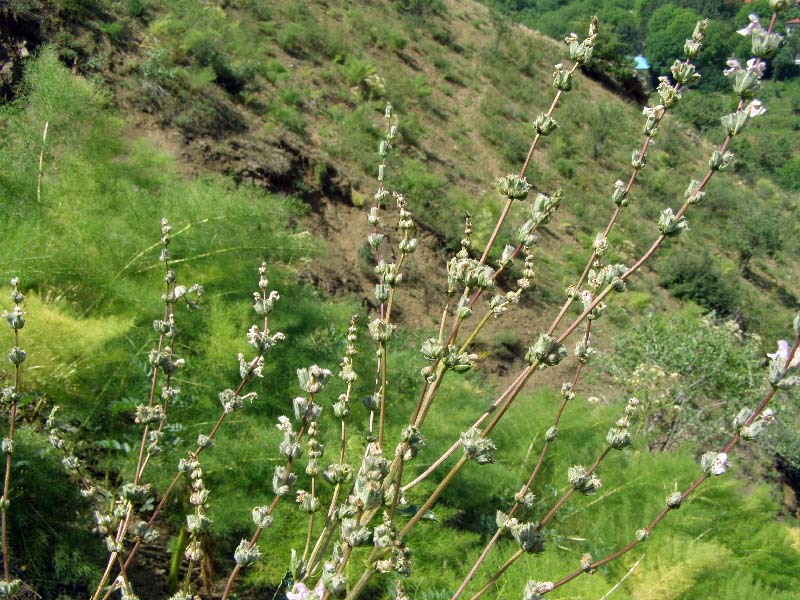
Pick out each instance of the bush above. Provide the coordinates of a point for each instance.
(690, 371)
(293, 39)
(789, 174)
(696, 276)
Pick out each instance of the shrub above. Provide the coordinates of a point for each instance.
(689, 371)
(696, 276)
(789, 174)
(293, 39)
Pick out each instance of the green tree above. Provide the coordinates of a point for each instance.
(756, 229)
(669, 25)
(783, 65)
(666, 29)
(695, 275)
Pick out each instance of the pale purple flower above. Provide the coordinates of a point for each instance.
(733, 67)
(783, 351)
(719, 465)
(783, 354)
(755, 108)
(754, 25)
(756, 66)
(303, 593)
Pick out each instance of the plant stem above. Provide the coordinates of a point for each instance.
(170, 488)
(456, 445)
(12, 420)
(557, 506)
(41, 171)
(689, 491)
(598, 298)
(433, 497)
(310, 524)
(498, 574)
(474, 569)
(425, 398)
(507, 206)
(273, 504)
(6, 487)
(382, 414)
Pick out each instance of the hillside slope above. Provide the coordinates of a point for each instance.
(251, 125)
(289, 97)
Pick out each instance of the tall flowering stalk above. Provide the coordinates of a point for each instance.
(152, 415)
(340, 472)
(262, 339)
(549, 350)
(670, 225)
(594, 265)
(369, 489)
(11, 397)
(475, 276)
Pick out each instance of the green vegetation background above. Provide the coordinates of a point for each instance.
(86, 254)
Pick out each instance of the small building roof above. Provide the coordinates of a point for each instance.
(641, 62)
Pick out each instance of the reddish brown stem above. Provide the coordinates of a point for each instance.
(689, 491)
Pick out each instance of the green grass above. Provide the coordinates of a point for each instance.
(635, 483)
(87, 257)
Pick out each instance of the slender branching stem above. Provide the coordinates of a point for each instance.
(563, 500)
(310, 530)
(609, 226)
(40, 175)
(499, 573)
(478, 328)
(426, 398)
(547, 518)
(171, 487)
(528, 484)
(510, 394)
(456, 445)
(346, 553)
(12, 419)
(684, 495)
(254, 539)
(522, 171)
(324, 537)
(382, 414)
(598, 298)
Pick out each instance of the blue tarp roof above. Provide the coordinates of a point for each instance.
(641, 62)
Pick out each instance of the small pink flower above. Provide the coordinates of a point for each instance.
(301, 592)
(783, 354)
(733, 66)
(756, 66)
(783, 351)
(755, 109)
(754, 25)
